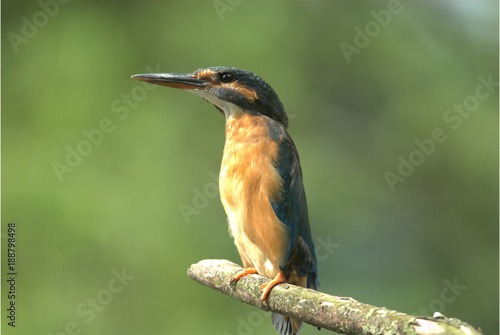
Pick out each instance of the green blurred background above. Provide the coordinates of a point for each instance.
(120, 208)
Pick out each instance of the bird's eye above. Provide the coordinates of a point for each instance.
(226, 77)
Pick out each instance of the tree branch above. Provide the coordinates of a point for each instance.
(339, 314)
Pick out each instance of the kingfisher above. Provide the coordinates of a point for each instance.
(260, 180)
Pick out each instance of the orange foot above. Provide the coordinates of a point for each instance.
(280, 278)
(242, 273)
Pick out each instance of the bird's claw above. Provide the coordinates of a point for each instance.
(242, 273)
(280, 278)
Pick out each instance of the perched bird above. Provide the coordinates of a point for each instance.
(260, 179)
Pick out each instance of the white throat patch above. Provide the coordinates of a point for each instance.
(228, 108)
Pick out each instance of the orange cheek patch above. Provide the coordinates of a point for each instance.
(210, 76)
(247, 92)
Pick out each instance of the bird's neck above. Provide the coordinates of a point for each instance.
(246, 128)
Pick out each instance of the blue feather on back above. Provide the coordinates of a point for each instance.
(291, 209)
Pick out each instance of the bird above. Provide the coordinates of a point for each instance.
(260, 181)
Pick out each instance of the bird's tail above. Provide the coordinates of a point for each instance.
(285, 325)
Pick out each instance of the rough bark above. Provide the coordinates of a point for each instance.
(339, 314)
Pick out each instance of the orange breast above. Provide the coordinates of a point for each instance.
(248, 181)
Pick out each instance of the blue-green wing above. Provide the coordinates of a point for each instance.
(291, 209)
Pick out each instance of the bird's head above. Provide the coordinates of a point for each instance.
(229, 89)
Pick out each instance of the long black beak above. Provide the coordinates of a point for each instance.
(185, 81)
